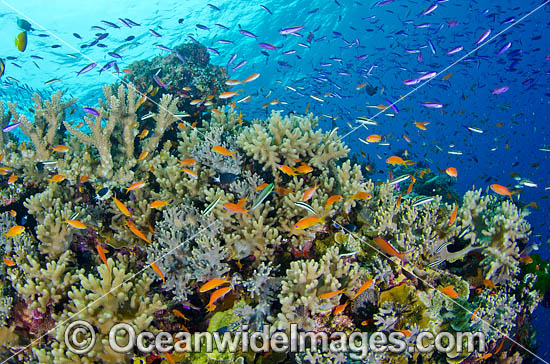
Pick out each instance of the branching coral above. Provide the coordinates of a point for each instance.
(116, 296)
(283, 140)
(45, 131)
(306, 280)
(44, 286)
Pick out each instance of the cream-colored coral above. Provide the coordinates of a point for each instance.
(283, 140)
(51, 208)
(116, 296)
(45, 131)
(306, 280)
(44, 286)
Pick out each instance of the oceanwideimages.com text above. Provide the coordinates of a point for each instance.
(80, 338)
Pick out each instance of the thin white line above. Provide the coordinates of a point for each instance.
(111, 290)
(106, 71)
(451, 65)
(361, 238)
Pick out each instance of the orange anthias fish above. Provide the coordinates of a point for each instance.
(413, 180)
(447, 76)
(395, 160)
(77, 224)
(261, 187)
(136, 232)
(389, 249)
(142, 156)
(227, 95)
(451, 171)
(449, 291)
(60, 149)
(526, 259)
(213, 283)
(329, 295)
(309, 193)
(216, 295)
(121, 206)
(362, 196)
(374, 138)
(251, 78)
(158, 204)
(309, 221)
(233, 82)
(421, 126)
(143, 133)
(190, 173)
(101, 253)
(179, 314)
(501, 190)
(304, 169)
(187, 162)
(281, 191)
(57, 178)
(223, 151)
(158, 271)
(488, 283)
(14, 231)
(12, 179)
(287, 170)
(331, 200)
(452, 219)
(135, 186)
(339, 309)
(233, 207)
(9, 262)
(363, 288)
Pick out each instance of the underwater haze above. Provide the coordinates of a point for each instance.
(341, 165)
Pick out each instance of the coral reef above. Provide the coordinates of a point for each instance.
(165, 209)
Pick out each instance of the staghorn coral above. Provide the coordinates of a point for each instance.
(116, 296)
(51, 208)
(44, 286)
(45, 131)
(306, 280)
(283, 140)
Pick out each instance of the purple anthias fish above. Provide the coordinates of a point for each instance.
(161, 47)
(233, 57)
(115, 55)
(291, 30)
(225, 41)
(484, 36)
(193, 40)
(504, 48)
(88, 68)
(500, 90)
(107, 66)
(268, 46)
(432, 47)
(213, 50)
(108, 23)
(158, 81)
(222, 26)
(430, 9)
(455, 50)
(91, 110)
(266, 9)
(154, 33)
(432, 105)
(180, 57)
(239, 65)
(392, 105)
(247, 33)
(203, 27)
(11, 127)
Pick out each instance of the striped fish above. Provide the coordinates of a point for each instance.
(399, 179)
(265, 192)
(211, 206)
(422, 201)
(305, 206)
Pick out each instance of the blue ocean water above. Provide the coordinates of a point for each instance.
(502, 137)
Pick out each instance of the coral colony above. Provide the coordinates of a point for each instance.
(191, 216)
